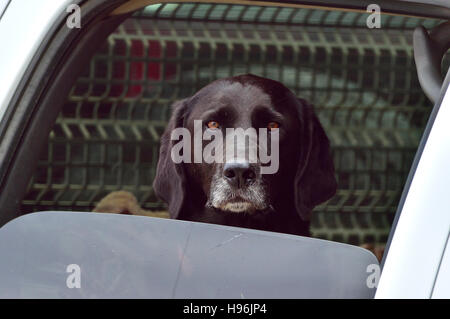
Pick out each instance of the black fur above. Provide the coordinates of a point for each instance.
(306, 174)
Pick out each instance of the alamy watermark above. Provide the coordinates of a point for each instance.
(74, 18)
(238, 144)
(74, 278)
(373, 21)
(373, 278)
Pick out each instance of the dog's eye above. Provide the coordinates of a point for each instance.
(213, 125)
(273, 125)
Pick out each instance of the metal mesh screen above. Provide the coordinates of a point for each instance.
(362, 82)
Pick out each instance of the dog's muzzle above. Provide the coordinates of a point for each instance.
(237, 187)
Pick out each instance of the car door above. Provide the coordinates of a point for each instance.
(416, 263)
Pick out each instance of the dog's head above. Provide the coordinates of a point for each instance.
(285, 157)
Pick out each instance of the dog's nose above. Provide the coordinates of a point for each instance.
(239, 174)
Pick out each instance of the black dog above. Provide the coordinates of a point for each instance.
(235, 193)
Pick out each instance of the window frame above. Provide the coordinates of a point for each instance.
(39, 96)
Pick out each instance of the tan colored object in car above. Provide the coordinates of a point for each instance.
(123, 202)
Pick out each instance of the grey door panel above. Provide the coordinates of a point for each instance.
(122, 256)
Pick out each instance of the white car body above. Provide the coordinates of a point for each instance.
(23, 26)
(417, 264)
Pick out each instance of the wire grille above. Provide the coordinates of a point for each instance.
(362, 81)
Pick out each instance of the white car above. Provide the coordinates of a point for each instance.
(56, 254)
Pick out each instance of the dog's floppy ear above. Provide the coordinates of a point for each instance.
(170, 180)
(314, 181)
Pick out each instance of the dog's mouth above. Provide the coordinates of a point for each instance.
(237, 205)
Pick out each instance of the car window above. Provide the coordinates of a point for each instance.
(3, 5)
(362, 82)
